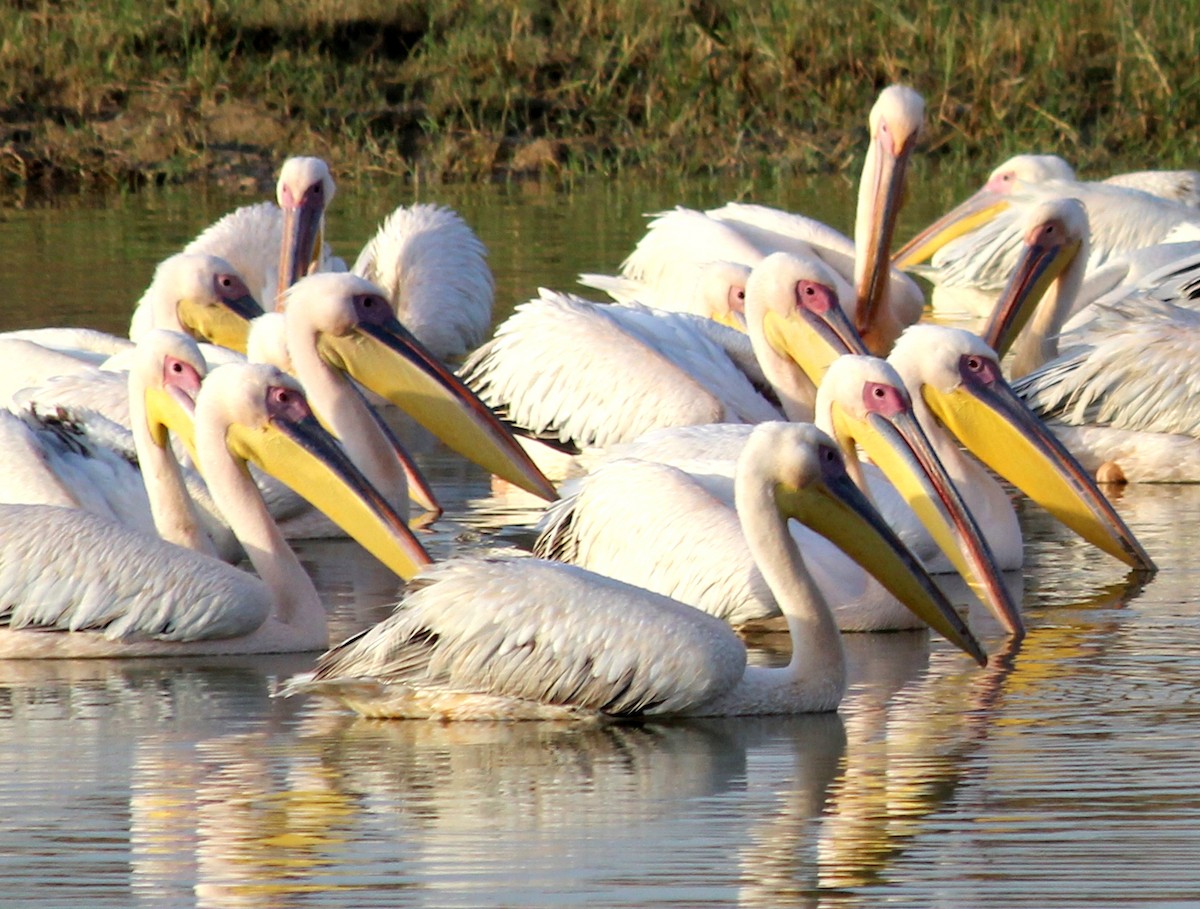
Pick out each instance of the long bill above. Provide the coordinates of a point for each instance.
(1038, 267)
(387, 359)
(989, 419)
(836, 509)
(300, 453)
(896, 443)
(976, 211)
(886, 173)
(302, 240)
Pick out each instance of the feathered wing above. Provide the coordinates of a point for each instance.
(64, 569)
(589, 374)
(655, 526)
(525, 629)
(1134, 370)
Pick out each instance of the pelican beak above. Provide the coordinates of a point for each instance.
(1039, 266)
(887, 175)
(295, 449)
(989, 419)
(836, 509)
(971, 214)
(387, 359)
(896, 443)
(419, 490)
(813, 337)
(303, 239)
(225, 322)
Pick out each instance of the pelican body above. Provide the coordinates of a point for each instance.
(519, 638)
(76, 585)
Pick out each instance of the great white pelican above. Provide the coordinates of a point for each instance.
(517, 638)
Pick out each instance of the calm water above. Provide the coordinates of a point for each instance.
(1068, 775)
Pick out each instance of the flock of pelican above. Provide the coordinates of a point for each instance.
(754, 433)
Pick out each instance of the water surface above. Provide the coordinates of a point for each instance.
(1068, 775)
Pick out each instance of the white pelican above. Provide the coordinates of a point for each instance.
(671, 527)
(76, 458)
(884, 300)
(274, 244)
(347, 327)
(431, 265)
(77, 585)
(199, 295)
(974, 247)
(519, 638)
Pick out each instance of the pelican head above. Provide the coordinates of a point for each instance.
(202, 296)
(960, 382)
(259, 414)
(355, 330)
(304, 190)
(809, 483)
(169, 368)
(1054, 252)
(721, 287)
(862, 401)
(895, 124)
(1022, 171)
(792, 307)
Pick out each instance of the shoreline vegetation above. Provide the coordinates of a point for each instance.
(122, 94)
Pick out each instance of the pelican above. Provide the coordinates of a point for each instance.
(76, 458)
(273, 245)
(347, 326)
(987, 228)
(884, 299)
(671, 527)
(431, 265)
(77, 585)
(518, 638)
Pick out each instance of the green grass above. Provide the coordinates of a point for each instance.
(125, 92)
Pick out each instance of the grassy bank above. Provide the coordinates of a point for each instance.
(123, 92)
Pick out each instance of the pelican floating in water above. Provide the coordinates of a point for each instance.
(519, 638)
(974, 247)
(430, 264)
(199, 295)
(76, 458)
(77, 585)
(882, 300)
(671, 527)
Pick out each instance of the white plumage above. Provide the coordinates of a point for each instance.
(116, 592)
(514, 638)
(587, 374)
